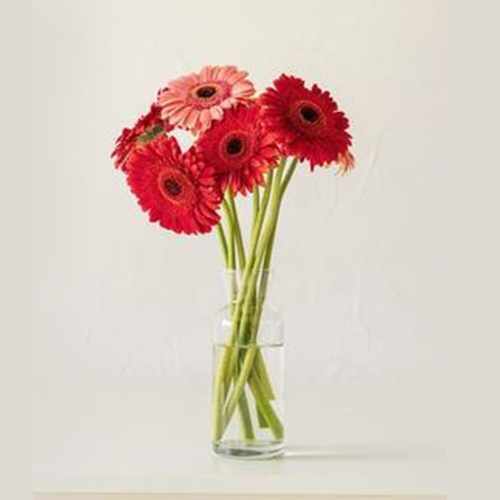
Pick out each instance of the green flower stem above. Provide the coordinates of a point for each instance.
(237, 391)
(264, 253)
(231, 244)
(259, 362)
(223, 242)
(245, 417)
(217, 406)
(262, 248)
(227, 361)
(266, 409)
(224, 373)
(286, 180)
(243, 408)
(288, 176)
(256, 206)
(232, 213)
(237, 230)
(240, 320)
(248, 289)
(260, 367)
(263, 375)
(267, 260)
(231, 258)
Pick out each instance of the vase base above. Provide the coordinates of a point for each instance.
(240, 450)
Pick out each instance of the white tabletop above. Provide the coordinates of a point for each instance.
(156, 440)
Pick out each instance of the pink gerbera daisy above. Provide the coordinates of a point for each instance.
(194, 101)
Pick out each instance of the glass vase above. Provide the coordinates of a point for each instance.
(248, 377)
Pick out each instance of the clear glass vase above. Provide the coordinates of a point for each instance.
(248, 377)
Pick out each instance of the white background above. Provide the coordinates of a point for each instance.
(374, 270)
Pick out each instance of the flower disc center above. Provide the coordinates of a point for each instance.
(175, 186)
(206, 92)
(172, 187)
(308, 118)
(234, 146)
(309, 114)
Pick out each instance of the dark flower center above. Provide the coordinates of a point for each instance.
(206, 92)
(309, 114)
(234, 146)
(176, 187)
(172, 187)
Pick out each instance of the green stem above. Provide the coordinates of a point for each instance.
(238, 389)
(262, 247)
(267, 260)
(231, 244)
(286, 180)
(245, 417)
(224, 370)
(260, 371)
(235, 320)
(220, 389)
(266, 409)
(238, 334)
(248, 291)
(288, 176)
(237, 230)
(256, 206)
(223, 242)
(263, 375)
(264, 254)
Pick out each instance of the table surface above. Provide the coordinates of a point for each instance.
(151, 440)
(174, 496)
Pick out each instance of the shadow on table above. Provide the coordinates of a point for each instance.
(363, 452)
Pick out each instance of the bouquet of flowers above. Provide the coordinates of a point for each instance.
(243, 144)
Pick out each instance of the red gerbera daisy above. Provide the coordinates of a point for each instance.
(178, 190)
(240, 149)
(146, 128)
(307, 121)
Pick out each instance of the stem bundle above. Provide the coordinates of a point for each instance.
(242, 363)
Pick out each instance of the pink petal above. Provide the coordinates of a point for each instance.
(170, 99)
(192, 118)
(172, 110)
(220, 73)
(173, 104)
(227, 103)
(179, 116)
(243, 89)
(236, 77)
(205, 118)
(216, 112)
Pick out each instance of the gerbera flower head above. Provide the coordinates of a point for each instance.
(145, 129)
(194, 101)
(177, 190)
(307, 121)
(240, 149)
